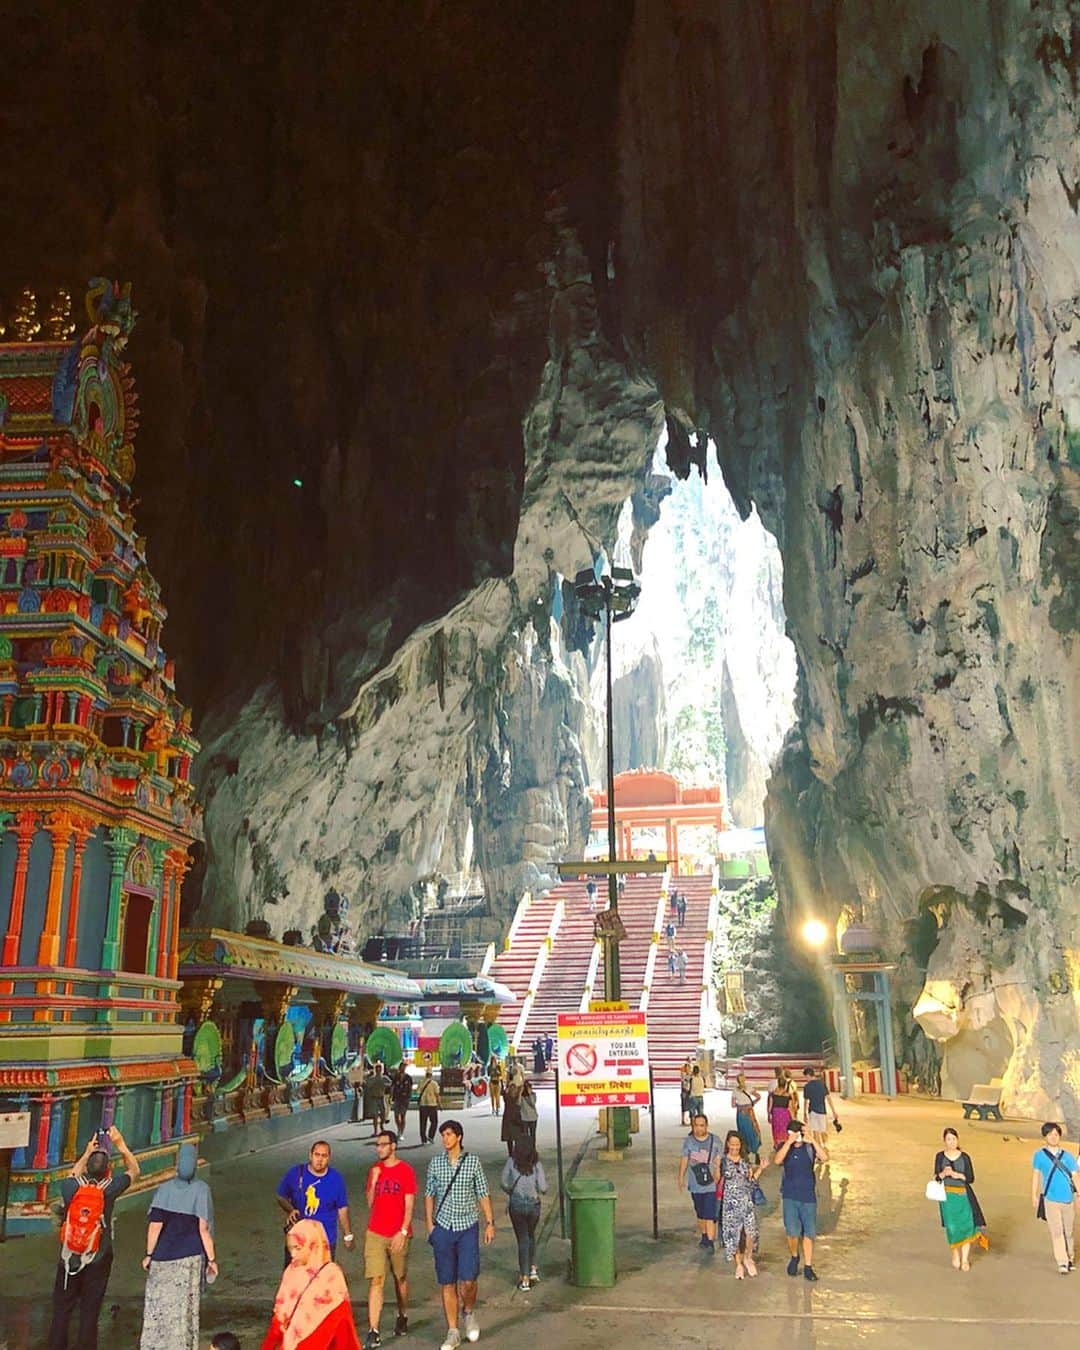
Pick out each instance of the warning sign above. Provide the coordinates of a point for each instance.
(603, 1059)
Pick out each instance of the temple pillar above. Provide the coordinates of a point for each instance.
(41, 1150)
(197, 998)
(668, 840)
(674, 855)
(60, 826)
(71, 1136)
(25, 825)
(71, 934)
(120, 842)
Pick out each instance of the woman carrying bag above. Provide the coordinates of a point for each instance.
(961, 1216)
(528, 1112)
(524, 1182)
(179, 1252)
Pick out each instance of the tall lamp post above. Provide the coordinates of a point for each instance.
(612, 595)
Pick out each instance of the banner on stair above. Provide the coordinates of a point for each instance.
(603, 1059)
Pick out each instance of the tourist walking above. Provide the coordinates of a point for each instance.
(524, 1182)
(798, 1191)
(539, 1062)
(528, 1112)
(376, 1089)
(455, 1194)
(590, 896)
(669, 934)
(681, 909)
(1053, 1193)
(495, 1084)
(782, 1102)
(400, 1096)
(549, 1049)
(510, 1130)
(179, 1252)
(86, 1249)
(316, 1190)
(428, 1102)
(738, 1217)
(681, 963)
(817, 1101)
(312, 1310)
(961, 1216)
(684, 1091)
(699, 1169)
(391, 1194)
(697, 1092)
(744, 1099)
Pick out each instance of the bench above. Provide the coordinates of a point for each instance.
(984, 1101)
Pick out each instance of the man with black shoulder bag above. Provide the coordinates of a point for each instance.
(1053, 1193)
(454, 1195)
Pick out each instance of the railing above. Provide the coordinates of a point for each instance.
(489, 959)
(590, 977)
(654, 945)
(538, 972)
(708, 1002)
(65, 994)
(515, 923)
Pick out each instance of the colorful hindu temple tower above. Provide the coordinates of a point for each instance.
(96, 805)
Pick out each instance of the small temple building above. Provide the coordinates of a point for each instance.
(96, 811)
(650, 800)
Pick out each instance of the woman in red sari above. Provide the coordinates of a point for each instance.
(311, 1311)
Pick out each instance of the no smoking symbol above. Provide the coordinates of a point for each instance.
(581, 1060)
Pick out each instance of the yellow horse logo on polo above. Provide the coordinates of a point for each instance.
(311, 1200)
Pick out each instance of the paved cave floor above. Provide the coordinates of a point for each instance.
(885, 1275)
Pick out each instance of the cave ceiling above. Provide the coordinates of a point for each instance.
(454, 267)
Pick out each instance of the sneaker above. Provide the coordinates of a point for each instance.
(793, 1266)
(710, 1245)
(1064, 1269)
(472, 1327)
(524, 1285)
(401, 1326)
(534, 1276)
(453, 1340)
(703, 1242)
(808, 1274)
(372, 1340)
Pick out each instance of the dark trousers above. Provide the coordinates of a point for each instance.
(429, 1123)
(84, 1291)
(524, 1223)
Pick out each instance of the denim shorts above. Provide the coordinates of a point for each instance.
(457, 1255)
(800, 1218)
(704, 1204)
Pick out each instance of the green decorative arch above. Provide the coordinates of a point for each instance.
(206, 1048)
(284, 1045)
(498, 1041)
(383, 1043)
(339, 1047)
(455, 1046)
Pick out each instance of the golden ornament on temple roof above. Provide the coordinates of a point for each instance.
(58, 321)
(25, 323)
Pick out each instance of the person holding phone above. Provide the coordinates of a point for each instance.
(798, 1191)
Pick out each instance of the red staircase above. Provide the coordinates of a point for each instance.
(563, 980)
(674, 1009)
(637, 909)
(514, 968)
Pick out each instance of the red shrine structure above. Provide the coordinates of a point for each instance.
(651, 798)
(96, 807)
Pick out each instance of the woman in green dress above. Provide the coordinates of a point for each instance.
(961, 1215)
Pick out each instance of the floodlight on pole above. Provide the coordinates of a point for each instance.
(612, 595)
(815, 933)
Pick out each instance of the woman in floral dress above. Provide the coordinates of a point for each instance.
(738, 1226)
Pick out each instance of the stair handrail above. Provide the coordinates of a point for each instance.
(590, 976)
(654, 945)
(489, 959)
(708, 1010)
(515, 922)
(546, 943)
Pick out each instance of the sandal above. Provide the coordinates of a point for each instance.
(751, 1269)
(739, 1272)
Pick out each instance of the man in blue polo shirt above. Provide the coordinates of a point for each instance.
(1052, 1183)
(799, 1194)
(317, 1191)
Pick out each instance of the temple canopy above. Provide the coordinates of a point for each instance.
(654, 804)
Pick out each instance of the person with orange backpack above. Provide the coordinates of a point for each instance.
(86, 1250)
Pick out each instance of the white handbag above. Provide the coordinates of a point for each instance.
(935, 1190)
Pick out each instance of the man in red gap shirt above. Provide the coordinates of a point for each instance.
(391, 1194)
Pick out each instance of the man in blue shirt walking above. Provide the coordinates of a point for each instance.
(1053, 1187)
(798, 1190)
(317, 1191)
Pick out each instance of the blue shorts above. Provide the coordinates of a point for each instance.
(800, 1218)
(457, 1255)
(704, 1204)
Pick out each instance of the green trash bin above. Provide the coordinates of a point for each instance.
(592, 1232)
(620, 1126)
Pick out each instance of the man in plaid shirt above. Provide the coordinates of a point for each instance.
(455, 1193)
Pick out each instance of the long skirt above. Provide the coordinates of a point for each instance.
(959, 1218)
(171, 1308)
(779, 1120)
(748, 1131)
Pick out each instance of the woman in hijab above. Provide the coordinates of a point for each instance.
(179, 1250)
(312, 1310)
